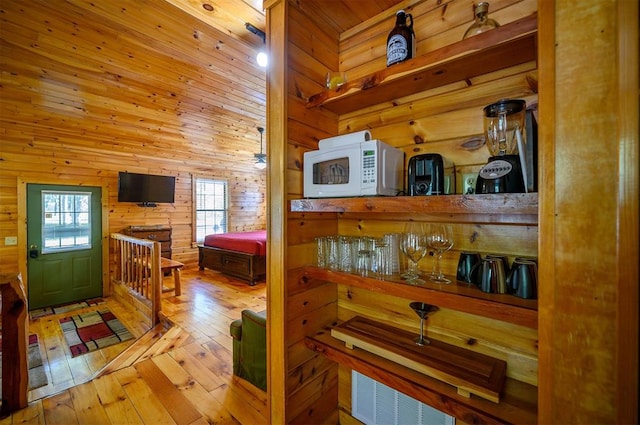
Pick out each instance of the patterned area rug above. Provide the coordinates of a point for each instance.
(47, 311)
(92, 331)
(37, 374)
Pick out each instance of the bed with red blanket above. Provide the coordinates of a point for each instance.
(239, 254)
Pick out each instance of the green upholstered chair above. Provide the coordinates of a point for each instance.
(250, 347)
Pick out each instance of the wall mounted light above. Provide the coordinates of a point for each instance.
(261, 158)
(262, 57)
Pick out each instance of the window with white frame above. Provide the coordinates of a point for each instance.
(66, 221)
(211, 207)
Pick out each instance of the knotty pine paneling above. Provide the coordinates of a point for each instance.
(311, 404)
(91, 89)
(342, 16)
(324, 383)
(323, 42)
(428, 113)
(308, 370)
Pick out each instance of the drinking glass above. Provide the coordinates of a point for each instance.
(393, 242)
(382, 263)
(335, 79)
(333, 252)
(321, 251)
(413, 244)
(344, 246)
(440, 240)
(363, 263)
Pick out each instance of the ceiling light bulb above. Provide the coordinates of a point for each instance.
(260, 165)
(262, 59)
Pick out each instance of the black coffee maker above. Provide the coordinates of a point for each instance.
(504, 127)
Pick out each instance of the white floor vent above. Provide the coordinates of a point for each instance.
(374, 403)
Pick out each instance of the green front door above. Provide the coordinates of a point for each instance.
(64, 245)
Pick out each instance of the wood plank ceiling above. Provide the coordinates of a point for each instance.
(176, 77)
(230, 16)
(133, 76)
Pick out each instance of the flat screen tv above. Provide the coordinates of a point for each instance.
(146, 189)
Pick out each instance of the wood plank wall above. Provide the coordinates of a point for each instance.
(311, 381)
(90, 89)
(440, 120)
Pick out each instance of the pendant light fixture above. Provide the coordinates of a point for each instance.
(261, 158)
(262, 57)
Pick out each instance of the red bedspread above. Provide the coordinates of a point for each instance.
(249, 242)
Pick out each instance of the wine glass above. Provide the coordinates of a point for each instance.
(430, 251)
(413, 244)
(422, 310)
(440, 240)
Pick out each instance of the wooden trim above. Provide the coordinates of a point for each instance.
(546, 206)
(22, 222)
(277, 136)
(588, 233)
(628, 238)
(508, 208)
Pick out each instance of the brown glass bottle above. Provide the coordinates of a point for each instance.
(401, 39)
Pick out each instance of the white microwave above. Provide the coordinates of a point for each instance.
(363, 168)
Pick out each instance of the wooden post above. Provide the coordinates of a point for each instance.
(156, 284)
(277, 31)
(15, 370)
(588, 297)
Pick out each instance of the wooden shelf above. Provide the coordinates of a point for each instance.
(507, 208)
(508, 45)
(518, 403)
(469, 371)
(456, 296)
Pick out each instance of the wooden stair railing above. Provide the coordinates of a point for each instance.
(15, 323)
(138, 277)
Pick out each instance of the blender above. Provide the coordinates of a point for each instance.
(505, 136)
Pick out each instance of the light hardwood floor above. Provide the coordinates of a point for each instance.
(177, 375)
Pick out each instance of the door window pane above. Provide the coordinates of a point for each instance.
(66, 221)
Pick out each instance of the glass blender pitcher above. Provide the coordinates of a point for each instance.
(505, 137)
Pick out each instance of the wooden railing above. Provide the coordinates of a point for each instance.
(138, 279)
(15, 323)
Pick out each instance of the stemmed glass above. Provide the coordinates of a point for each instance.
(422, 310)
(413, 244)
(440, 240)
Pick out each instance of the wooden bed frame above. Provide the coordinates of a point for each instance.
(245, 266)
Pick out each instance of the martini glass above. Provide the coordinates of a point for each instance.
(422, 310)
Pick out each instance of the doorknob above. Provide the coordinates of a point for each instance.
(33, 251)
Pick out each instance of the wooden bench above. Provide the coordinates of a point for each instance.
(172, 266)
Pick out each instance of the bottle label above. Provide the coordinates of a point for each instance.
(397, 50)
